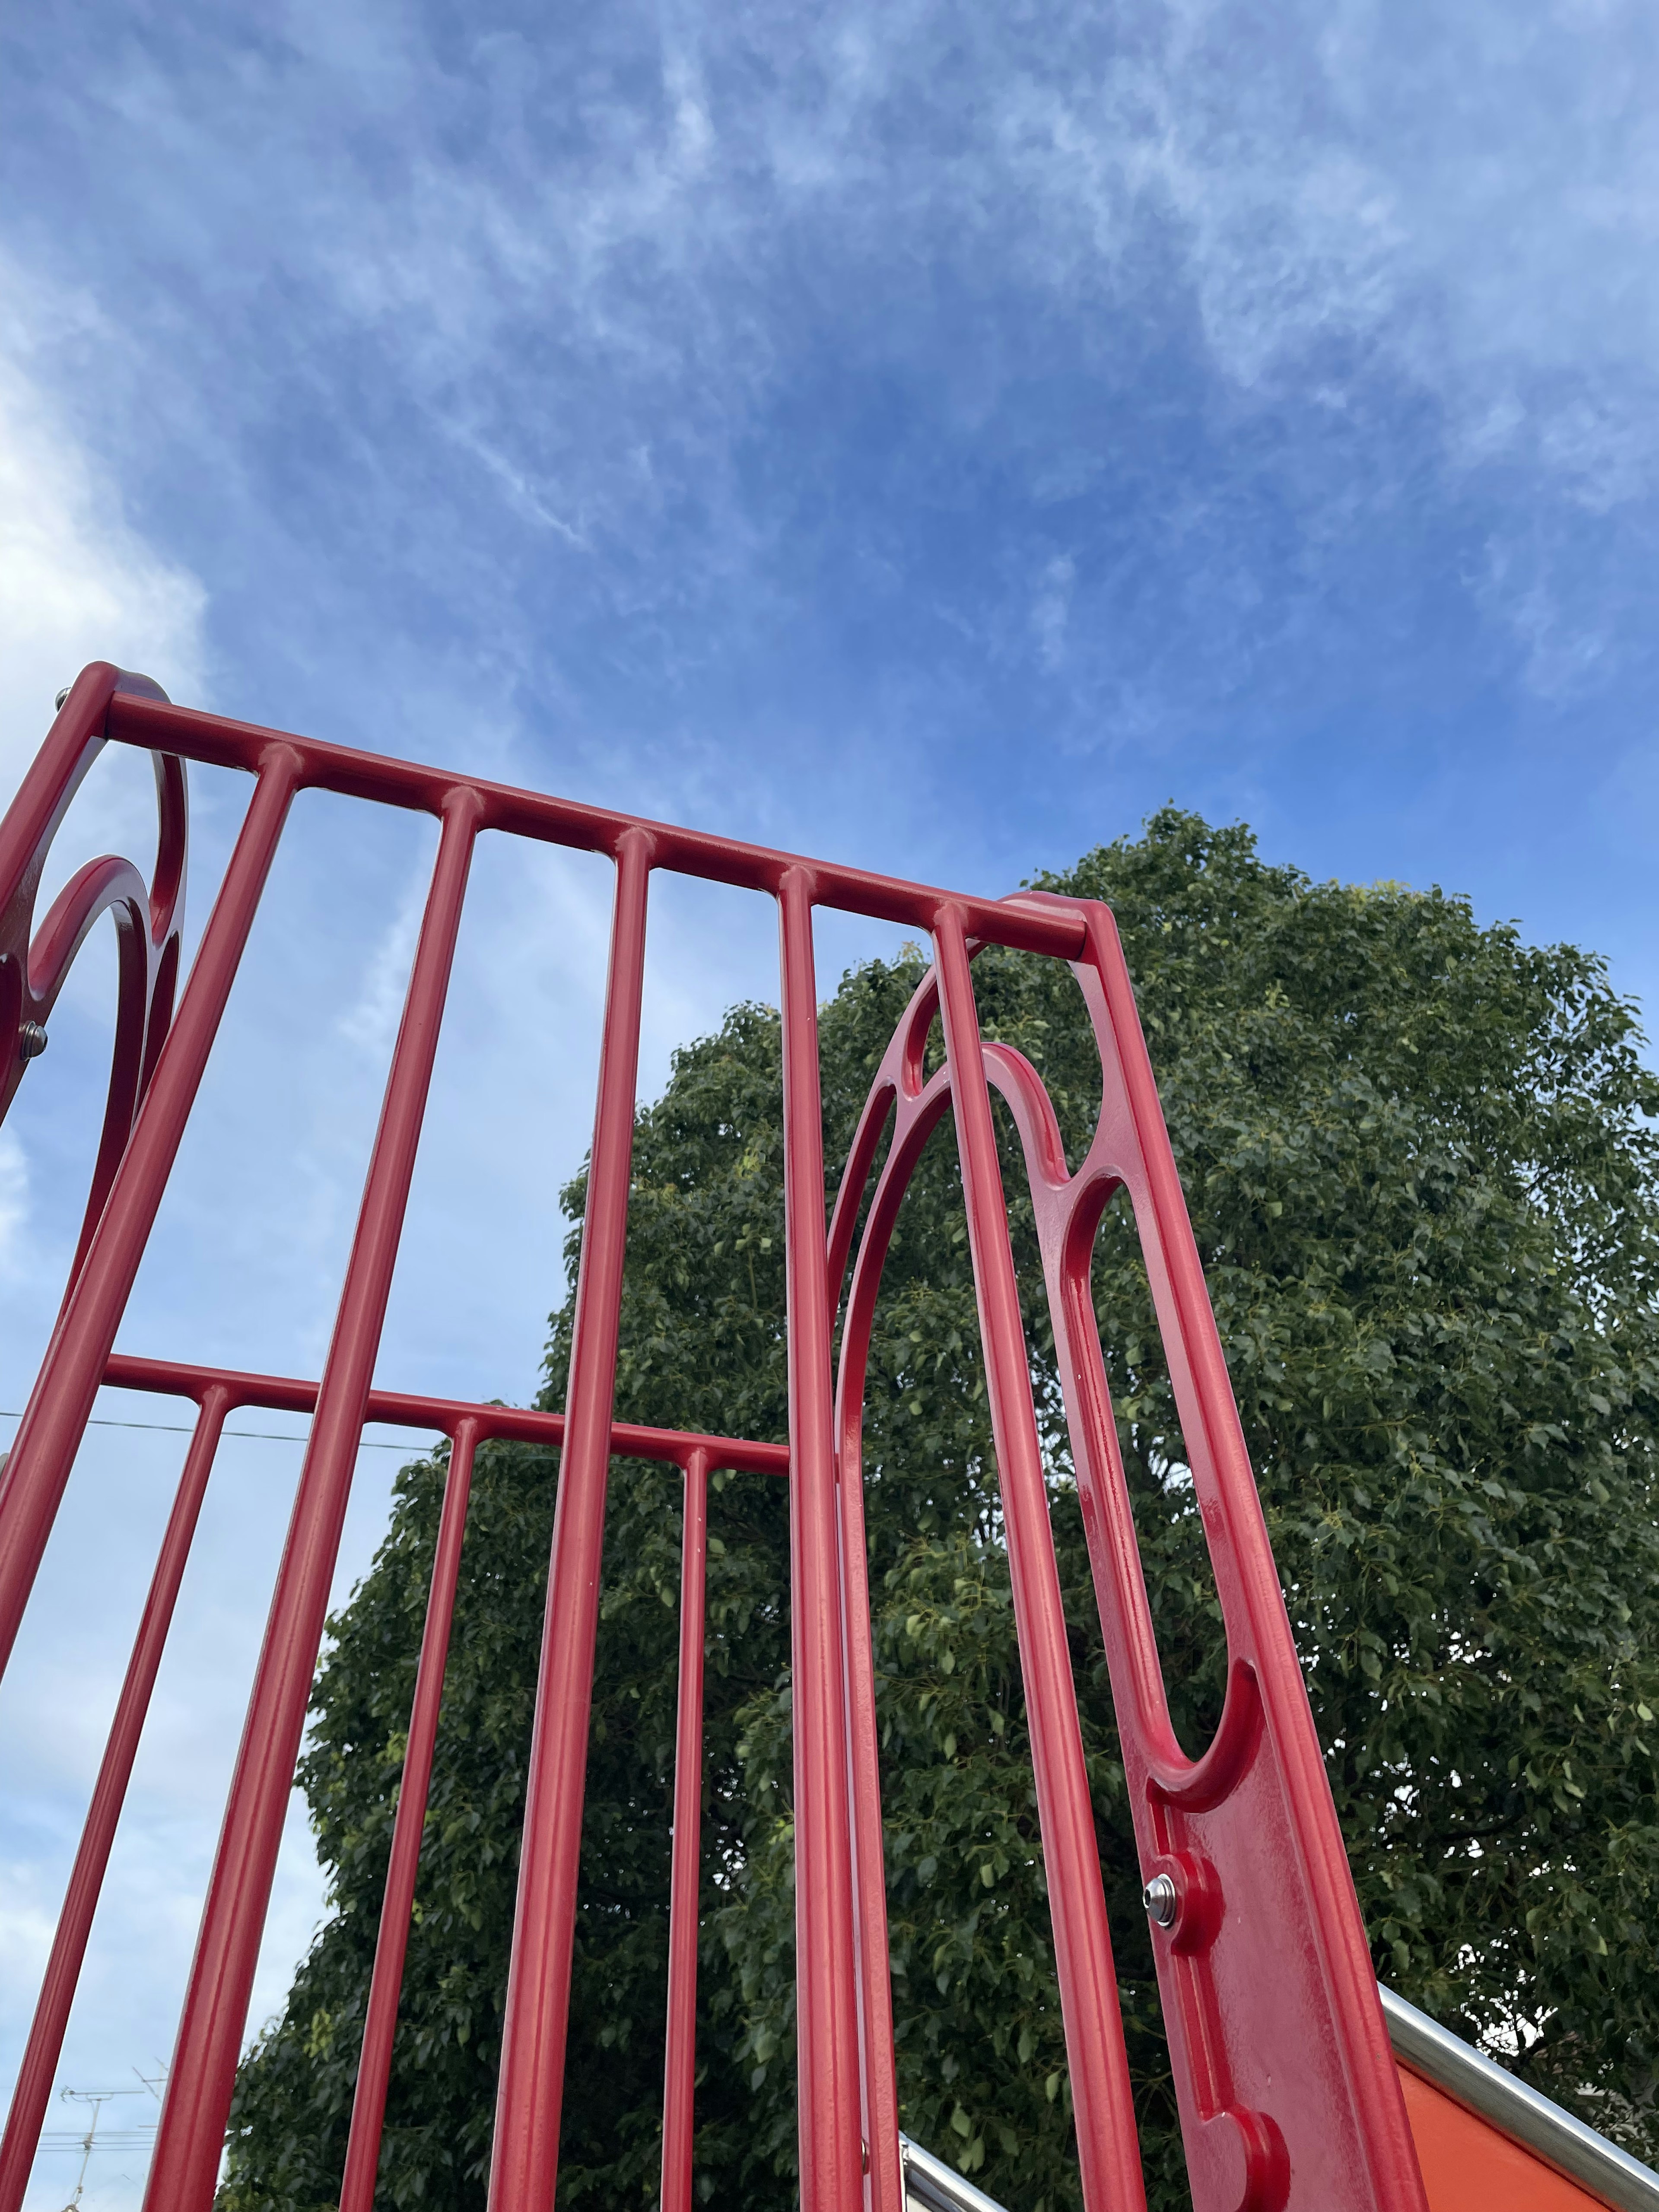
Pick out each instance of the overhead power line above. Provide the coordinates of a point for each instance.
(264, 1435)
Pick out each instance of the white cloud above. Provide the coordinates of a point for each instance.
(1051, 609)
(1473, 192)
(14, 1198)
(77, 582)
(596, 280)
(26, 1924)
(1450, 211)
(371, 1021)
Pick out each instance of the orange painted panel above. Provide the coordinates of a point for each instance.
(1468, 2165)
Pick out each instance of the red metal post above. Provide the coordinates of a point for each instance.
(911, 1128)
(392, 1939)
(68, 1943)
(879, 2082)
(1107, 2151)
(826, 2020)
(1287, 2091)
(191, 2132)
(55, 1418)
(680, 2058)
(524, 2162)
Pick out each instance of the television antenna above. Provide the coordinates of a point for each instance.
(96, 2099)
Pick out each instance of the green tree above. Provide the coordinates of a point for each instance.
(1419, 1163)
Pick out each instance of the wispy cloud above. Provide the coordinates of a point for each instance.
(677, 339)
(925, 435)
(14, 1200)
(77, 581)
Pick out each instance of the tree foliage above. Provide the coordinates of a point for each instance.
(1422, 1176)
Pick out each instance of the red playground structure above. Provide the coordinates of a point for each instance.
(1301, 2087)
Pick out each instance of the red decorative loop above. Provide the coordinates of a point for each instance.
(34, 962)
(1287, 2087)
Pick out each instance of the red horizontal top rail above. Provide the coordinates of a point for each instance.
(222, 743)
(284, 1394)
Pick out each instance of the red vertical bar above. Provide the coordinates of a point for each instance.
(680, 2064)
(831, 2150)
(55, 1418)
(1106, 2150)
(392, 1939)
(69, 1944)
(191, 2132)
(876, 2069)
(525, 2162)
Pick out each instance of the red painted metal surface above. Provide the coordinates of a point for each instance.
(69, 1948)
(1282, 2065)
(391, 1941)
(1288, 2094)
(826, 2014)
(524, 2167)
(55, 1418)
(191, 2135)
(680, 2039)
(149, 917)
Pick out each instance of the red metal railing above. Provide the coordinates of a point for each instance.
(1287, 2093)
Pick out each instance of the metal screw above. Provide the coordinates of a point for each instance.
(1161, 1900)
(62, 696)
(30, 1041)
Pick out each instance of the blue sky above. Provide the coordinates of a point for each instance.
(929, 437)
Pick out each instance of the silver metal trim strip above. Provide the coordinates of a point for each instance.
(1483, 2087)
(930, 2185)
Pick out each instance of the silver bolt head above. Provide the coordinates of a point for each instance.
(30, 1039)
(62, 696)
(1161, 1900)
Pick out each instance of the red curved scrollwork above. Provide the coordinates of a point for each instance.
(1287, 2091)
(35, 962)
